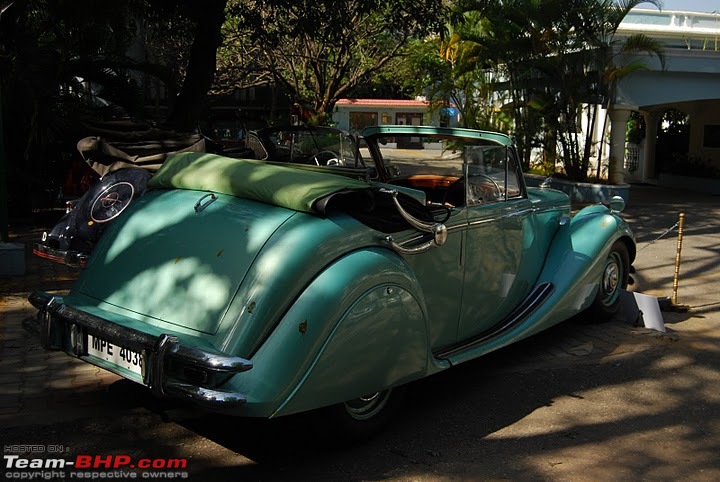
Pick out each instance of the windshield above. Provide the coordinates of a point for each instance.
(406, 155)
(312, 146)
(450, 169)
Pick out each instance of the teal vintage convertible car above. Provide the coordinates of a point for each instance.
(327, 273)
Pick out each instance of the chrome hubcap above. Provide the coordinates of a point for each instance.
(366, 407)
(611, 279)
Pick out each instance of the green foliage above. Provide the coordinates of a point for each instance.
(321, 50)
(635, 128)
(418, 69)
(60, 61)
(64, 62)
(551, 62)
(674, 123)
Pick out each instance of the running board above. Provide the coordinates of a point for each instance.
(526, 308)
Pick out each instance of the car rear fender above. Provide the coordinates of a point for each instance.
(359, 327)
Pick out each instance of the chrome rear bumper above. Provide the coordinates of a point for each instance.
(62, 327)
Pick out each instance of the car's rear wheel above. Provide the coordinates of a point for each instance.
(613, 279)
(362, 417)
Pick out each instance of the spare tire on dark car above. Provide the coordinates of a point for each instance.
(80, 229)
(125, 165)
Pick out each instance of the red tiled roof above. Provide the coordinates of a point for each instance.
(382, 103)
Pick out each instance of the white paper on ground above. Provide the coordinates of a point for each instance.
(636, 305)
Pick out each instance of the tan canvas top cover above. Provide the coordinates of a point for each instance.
(105, 157)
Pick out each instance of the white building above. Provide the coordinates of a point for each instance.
(690, 83)
(355, 114)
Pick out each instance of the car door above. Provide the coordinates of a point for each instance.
(501, 256)
(440, 274)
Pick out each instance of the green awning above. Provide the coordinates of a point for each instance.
(288, 186)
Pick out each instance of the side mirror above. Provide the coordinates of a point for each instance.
(617, 204)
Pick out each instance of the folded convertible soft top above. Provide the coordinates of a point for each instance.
(292, 187)
(105, 156)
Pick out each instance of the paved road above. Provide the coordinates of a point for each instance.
(579, 402)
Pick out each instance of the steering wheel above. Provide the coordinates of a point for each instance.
(478, 192)
(455, 195)
(326, 158)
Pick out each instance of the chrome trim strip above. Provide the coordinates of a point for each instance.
(504, 216)
(457, 226)
(525, 309)
(55, 318)
(483, 221)
(551, 209)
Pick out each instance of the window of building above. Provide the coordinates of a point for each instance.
(711, 136)
(361, 120)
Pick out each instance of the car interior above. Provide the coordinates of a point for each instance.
(451, 172)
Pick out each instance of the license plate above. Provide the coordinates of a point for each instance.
(117, 355)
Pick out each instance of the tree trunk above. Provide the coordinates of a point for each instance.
(602, 144)
(589, 134)
(550, 150)
(4, 218)
(188, 106)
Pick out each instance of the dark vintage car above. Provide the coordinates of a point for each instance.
(325, 275)
(126, 160)
(124, 167)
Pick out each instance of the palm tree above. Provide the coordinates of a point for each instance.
(468, 83)
(582, 74)
(619, 58)
(510, 40)
(559, 60)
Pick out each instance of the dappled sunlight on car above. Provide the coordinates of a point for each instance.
(186, 292)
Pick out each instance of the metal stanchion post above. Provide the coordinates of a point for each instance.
(677, 258)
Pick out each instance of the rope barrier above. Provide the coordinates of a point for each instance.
(659, 237)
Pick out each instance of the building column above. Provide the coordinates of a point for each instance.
(651, 132)
(618, 132)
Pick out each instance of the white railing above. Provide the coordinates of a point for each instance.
(676, 29)
(632, 158)
(671, 22)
